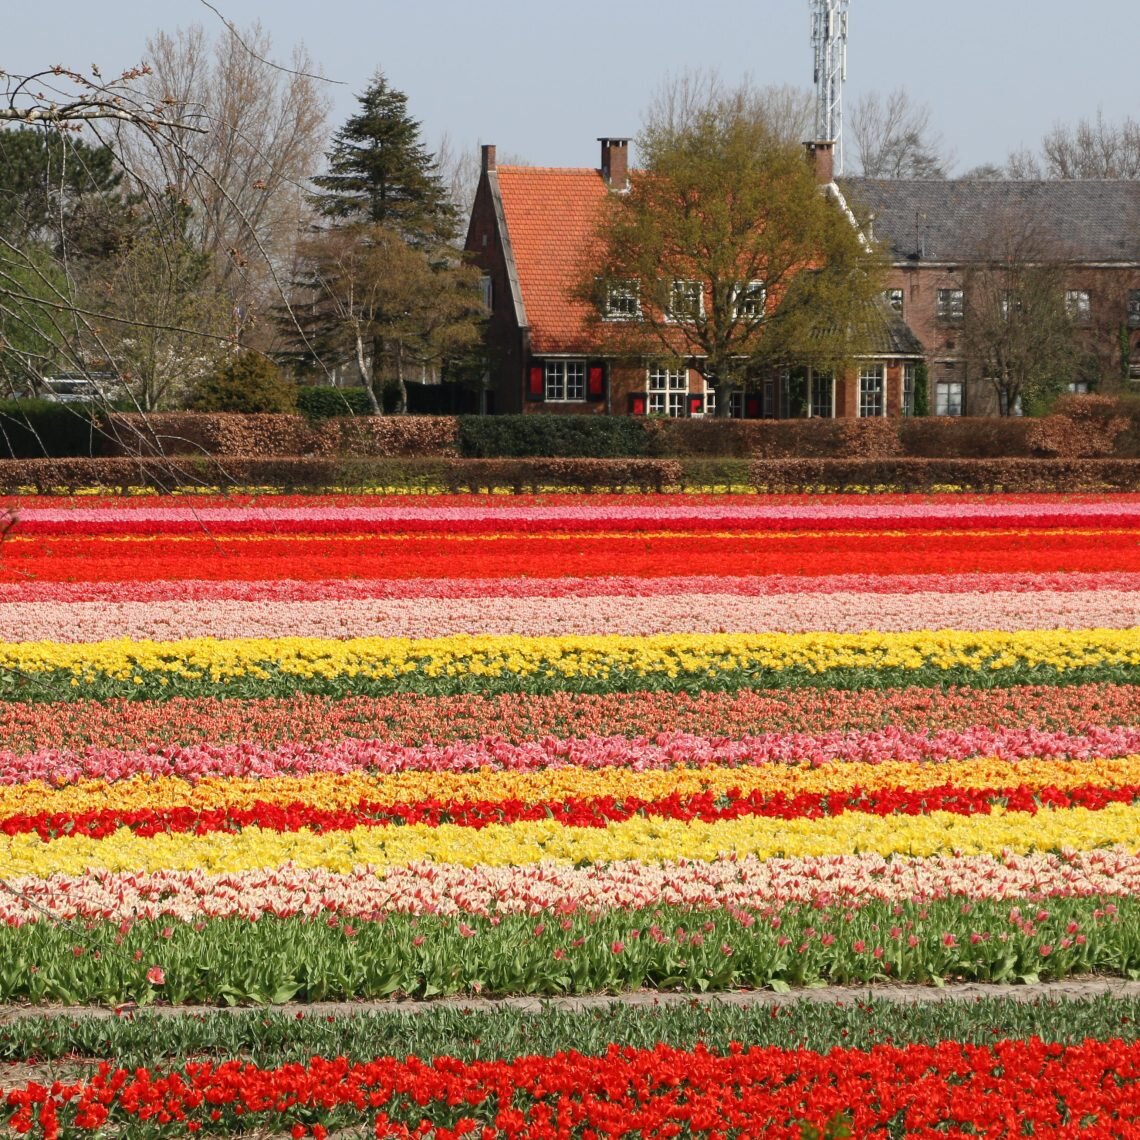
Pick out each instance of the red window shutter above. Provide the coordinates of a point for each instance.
(638, 403)
(536, 383)
(752, 407)
(596, 383)
(696, 405)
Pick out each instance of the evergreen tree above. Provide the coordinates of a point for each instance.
(380, 173)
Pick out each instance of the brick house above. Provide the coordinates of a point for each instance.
(530, 231)
(932, 232)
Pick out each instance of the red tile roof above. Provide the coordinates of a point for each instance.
(551, 214)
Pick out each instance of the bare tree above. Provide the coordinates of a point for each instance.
(894, 138)
(460, 169)
(261, 131)
(684, 99)
(1091, 149)
(1017, 333)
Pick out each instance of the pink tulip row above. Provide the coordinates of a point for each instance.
(675, 510)
(347, 589)
(535, 617)
(679, 750)
(551, 888)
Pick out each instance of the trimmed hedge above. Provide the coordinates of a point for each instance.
(521, 475)
(37, 429)
(527, 436)
(328, 403)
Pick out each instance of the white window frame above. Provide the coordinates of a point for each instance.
(909, 381)
(1079, 387)
(710, 399)
(1078, 304)
(564, 381)
(623, 301)
(667, 391)
(943, 401)
(687, 290)
(817, 384)
(950, 305)
(895, 299)
(877, 374)
(750, 301)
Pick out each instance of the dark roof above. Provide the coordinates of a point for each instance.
(943, 220)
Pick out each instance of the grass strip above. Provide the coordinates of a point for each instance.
(273, 1037)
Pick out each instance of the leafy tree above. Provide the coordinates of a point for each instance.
(247, 382)
(381, 285)
(34, 295)
(380, 173)
(52, 185)
(381, 303)
(1016, 332)
(732, 254)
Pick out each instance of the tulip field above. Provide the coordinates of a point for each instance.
(284, 750)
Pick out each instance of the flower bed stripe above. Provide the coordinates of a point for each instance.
(599, 664)
(346, 589)
(731, 883)
(589, 770)
(547, 617)
(220, 557)
(202, 736)
(923, 1090)
(650, 840)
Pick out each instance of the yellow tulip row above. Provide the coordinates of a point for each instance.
(637, 839)
(571, 657)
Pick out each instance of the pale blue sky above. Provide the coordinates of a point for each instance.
(543, 78)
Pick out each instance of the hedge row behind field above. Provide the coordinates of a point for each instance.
(308, 473)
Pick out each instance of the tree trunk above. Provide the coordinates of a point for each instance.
(723, 400)
(402, 403)
(366, 376)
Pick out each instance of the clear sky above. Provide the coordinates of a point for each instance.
(542, 79)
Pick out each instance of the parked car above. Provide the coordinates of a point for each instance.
(77, 387)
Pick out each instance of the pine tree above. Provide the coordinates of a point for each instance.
(381, 173)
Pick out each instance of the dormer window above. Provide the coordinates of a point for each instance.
(623, 301)
(686, 301)
(751, 301)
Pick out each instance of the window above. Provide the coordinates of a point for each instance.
(623, 302)
(1134, 308)
(894, 298)
(872, 390)
(1009, 304)
(909, 374)
(710, 399)
(948, 398)
(686, 301)
(668, 388)
(1079, 387)
(822, 396)
(1078, 304)
(565, 380)
(751, 301)
(736, 404)
(951, 304)
(488, 287)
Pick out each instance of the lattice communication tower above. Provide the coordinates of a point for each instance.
(829, 42)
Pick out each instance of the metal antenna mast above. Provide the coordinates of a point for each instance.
(829, 42)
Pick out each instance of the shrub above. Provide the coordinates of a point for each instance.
(1080, 427)
(327, 403)
(39, 429)
(585, 437)
(247, 382)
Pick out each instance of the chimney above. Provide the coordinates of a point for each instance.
(821, 157)
(488, 159)
(615, 163)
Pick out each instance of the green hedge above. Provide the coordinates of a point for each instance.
(326, 403)
(558, 437)
(43, 429)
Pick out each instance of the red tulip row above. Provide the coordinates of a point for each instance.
(1012, 1088)
(203, 556)
(599, 811)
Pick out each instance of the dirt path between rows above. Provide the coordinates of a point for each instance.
(1071, 990)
